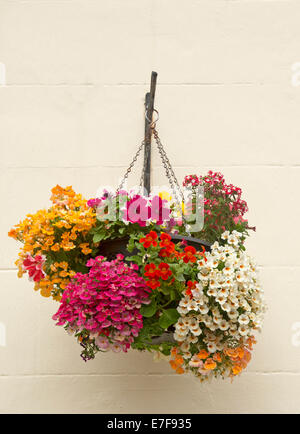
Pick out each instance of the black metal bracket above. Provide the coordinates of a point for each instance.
(149, 107)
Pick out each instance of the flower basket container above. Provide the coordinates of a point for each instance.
(111, 248)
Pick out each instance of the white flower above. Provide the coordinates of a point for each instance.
(187, 355)
(243, 330)
(213, 262)
(233, 240)
(182, 310)
(225, 235)
(228, 270)
(211, 347)
(226, 306)
(233, 314)
(202, 262)
(192, 306)
(178, 337)
(215, 246)
(240, 277)
(196, 332)
(203, 309)
(185, 346)
(192, 339)
(223, 325)
(243, 319)
(223, 291)
(221, 299)
(217, 319)
(212, 292)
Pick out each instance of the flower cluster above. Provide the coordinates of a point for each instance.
(220, 312)
(103, 307)
(223, 205)
(61, 236)
(166, 249)
(133, 208)
(199, 308)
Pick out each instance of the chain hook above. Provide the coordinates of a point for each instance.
(152, 122)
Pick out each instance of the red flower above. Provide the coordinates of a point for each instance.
(164, 271)
(188, 255)
(191, 285)
(149, 240)
(153, 283)
(168, 248)
(150, 270)
(165, 240)
(34, 266)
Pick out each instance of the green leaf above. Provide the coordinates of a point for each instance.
(149, 310)
(98, 237)
(180, 277)
(168, 317)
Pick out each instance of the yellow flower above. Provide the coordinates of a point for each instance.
(53, 230)
(56, 247)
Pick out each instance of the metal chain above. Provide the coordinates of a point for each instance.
(131, 166)
(173, 181)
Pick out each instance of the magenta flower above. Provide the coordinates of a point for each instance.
(105, 303)
(137, 210)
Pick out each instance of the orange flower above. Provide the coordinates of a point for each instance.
(85, 249)
(202, 354)
(12, 233)
(250, 341)
(236, 369)
(173, 351)
(53, 230)
(217, 357)
(210, 364)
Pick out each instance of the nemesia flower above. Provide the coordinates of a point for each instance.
(50, 233)
(34, 267)
(189, 254)
(137, 210)
(222, 315)
(103, 306)
(149, 240)
(164, 271)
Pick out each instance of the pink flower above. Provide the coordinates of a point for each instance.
(137, 210)
(105, 303)
(34, 266)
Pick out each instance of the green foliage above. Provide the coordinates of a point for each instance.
(149, 310)
(168, 317)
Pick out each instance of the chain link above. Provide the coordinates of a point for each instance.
(173, 181)
(131, 166)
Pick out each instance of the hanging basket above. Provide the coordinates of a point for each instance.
(200, 308)
(111, 248)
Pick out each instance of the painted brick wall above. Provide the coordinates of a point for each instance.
(71, 112)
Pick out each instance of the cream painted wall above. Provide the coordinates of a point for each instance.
(71, 112)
